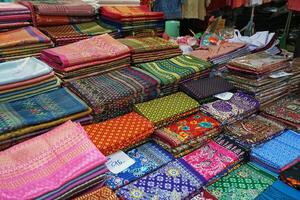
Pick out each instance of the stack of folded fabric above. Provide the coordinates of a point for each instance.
(133, 20)
(279, 153)
(119, 133)
(150, 49)
(22, 42)
(59, 12)
(65, 34)
(295, 77)
(104, 193)
(28, 117)
(13, 15)
(254, 130)
(285, 110)
(239, 106)
(57, 165)
(119, 2)
(246, 182)
(262, 75)
(148, 157)
(291, 176)
(203, 90)
(115, 93)
(168, 109)
(24, 78)
(87, 57)
(176, 180)
(171, 72)
(216, 158)
(188, 134)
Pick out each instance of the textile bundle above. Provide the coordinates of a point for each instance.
(59, 12)
(87, 57)
(115, 93)
(245, 182)
(168, 109)
(295, 77)
(257, 74)
(119, 133)
(22, 42)
(13, 15)
(203, 89)
(57, 165)
(133, 20)
(254, 130)
(24, 78)
(150, 49)
(291, 176)
(171, 72)
(102, 193)
(187, 134)
(285, 110)
(24, 118)
(148, 157)
(239, 106)
(279, 153)
(66, 34)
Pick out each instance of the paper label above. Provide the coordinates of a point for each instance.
(280, 74)
(118, 162)
(224, 96)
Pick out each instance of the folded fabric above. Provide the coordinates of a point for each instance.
(102, 193)
(279, 190)
(38, 112)
(52, 160)
(246, 182)
(176, 180)
(148, 157)
(166, 110)
(204, 195)
(254, 130)
(205, 88)
(119, 133)
(291, 176)
(279, 153)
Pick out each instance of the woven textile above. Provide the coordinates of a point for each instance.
(167, 109)
(244, 183)
(176, 180)
(104, 193)
(119, 133)
(148, 157)
(291, 176)
(204, 195)
(51, 161)
(279, 153)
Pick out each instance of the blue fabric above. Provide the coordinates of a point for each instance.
(148, 157)
(170, 8)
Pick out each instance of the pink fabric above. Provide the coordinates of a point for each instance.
(7, 18)
(46, 162)
(98, 48)
(12, 7)
(294, 5)
(211, 159)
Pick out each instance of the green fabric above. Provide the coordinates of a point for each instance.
(244, 183)
(173, 70)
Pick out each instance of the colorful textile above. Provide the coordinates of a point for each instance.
(104, 193)
(254, 130)
(171, 9)
(167, 109)
(148, 157)
(279, 153)
(119, 133)
(52, 160)
(291, 176)
(38, 112)
(176, 180)
(293, 5)
(246, 182)
(204, 195)
(279, 190)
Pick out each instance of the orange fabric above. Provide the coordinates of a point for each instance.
(119, 133)
(103, 193)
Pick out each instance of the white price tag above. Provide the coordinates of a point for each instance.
(118, 162)
(224, 96)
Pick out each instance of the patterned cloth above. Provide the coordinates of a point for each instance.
(119, 133)
(115, 93)
(279, 153)
(204, 195)
(244, 183)
(104, 193)
(52, 160)
(148, 157)
(167, 109)
(38, 112)
(291, 176)
(254, 130)
(176, 180)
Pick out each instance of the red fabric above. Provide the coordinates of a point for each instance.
(294, 5)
